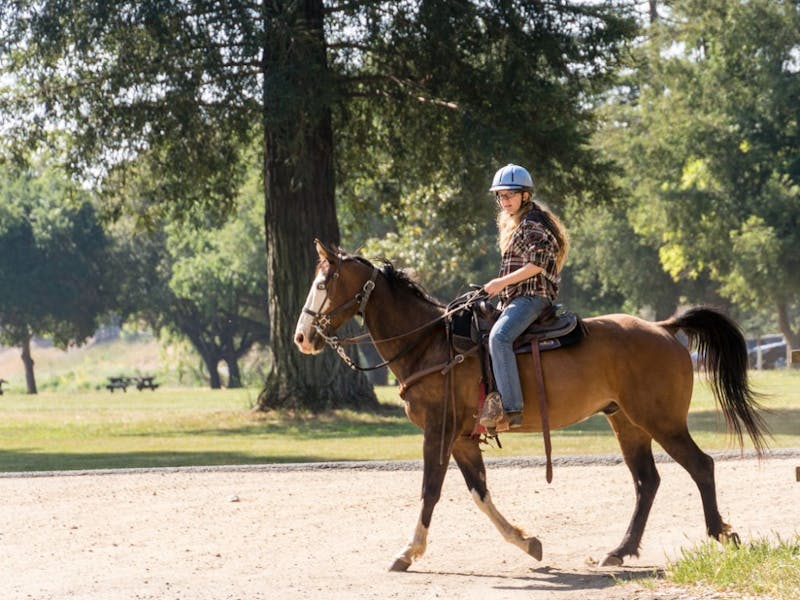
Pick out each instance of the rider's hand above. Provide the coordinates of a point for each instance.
(494, 287)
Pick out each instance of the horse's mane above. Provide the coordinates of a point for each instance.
(400, 280)
(397, 279)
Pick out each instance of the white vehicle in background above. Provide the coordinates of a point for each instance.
(772, 351)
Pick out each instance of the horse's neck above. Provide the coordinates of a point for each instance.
(397, 320)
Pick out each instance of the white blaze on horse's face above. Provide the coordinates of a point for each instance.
(305, 333)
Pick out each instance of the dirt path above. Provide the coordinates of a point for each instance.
(332, 532)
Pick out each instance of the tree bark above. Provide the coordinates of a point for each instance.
(300, 205)
(27, 360)
(785, 325)
(234, 374)
(212, 364)
(372, 357)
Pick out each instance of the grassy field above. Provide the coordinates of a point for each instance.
(86, 368)
(763, 568)
(180, 427)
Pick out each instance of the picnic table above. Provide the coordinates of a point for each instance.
(118, 383)
(122, 383)
(146, 382)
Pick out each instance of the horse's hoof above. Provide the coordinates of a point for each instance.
(400, 565)
(535, 548)
(730, 538)
(612, 560)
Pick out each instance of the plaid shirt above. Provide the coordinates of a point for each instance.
(533, 243)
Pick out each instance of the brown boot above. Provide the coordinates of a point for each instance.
(492, 412)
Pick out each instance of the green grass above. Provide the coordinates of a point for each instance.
(761, 568)
(182, 427)
(84, 368)
(177, 427)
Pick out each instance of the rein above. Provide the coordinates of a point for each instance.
(321, 321)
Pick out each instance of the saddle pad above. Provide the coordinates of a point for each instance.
(569, 339)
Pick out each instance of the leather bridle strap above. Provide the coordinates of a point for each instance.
(442, 368)
(322, 320)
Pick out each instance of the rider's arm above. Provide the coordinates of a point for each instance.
(496, 285)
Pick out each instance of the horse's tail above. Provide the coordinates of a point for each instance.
(722, 349)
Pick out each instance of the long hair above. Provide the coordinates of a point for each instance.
(506, 224)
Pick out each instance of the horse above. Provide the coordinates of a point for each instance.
(634, 371)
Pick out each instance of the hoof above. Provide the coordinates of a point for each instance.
(400, 565)
(730, 538)
(535, 548)
(612, 560)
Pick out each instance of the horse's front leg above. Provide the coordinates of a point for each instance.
(470, 461)
(435, 468)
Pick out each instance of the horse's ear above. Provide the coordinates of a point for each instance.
(325, 253)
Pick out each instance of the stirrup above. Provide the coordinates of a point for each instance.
(492, 412)
(509, 420)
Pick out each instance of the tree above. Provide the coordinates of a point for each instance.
(176, 92)
(705, 128)
(53, 264)
(181, 89)
(207, 285)
(219, 282)
(729, 194)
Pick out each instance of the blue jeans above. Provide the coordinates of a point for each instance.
(516, 317)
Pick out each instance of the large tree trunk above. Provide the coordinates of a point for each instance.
(371, 357)
(211, 361)
(300, 205)
(234, 374)
(27, 360)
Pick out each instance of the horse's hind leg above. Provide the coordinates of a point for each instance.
(636, 445)
(470, 461)
(700, 466)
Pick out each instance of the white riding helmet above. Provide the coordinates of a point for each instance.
(512, 177)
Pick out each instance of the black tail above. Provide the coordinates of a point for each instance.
(721, 347)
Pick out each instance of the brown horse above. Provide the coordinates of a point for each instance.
(635, 371)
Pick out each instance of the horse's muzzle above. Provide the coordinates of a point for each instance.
(308, 343)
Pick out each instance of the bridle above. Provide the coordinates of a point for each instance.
(322, 320)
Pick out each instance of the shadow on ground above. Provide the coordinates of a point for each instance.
(553, 579)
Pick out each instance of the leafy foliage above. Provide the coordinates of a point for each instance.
(152, 82)
(208, 286)
(705, 127)
(54, 259)
(443, 95)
